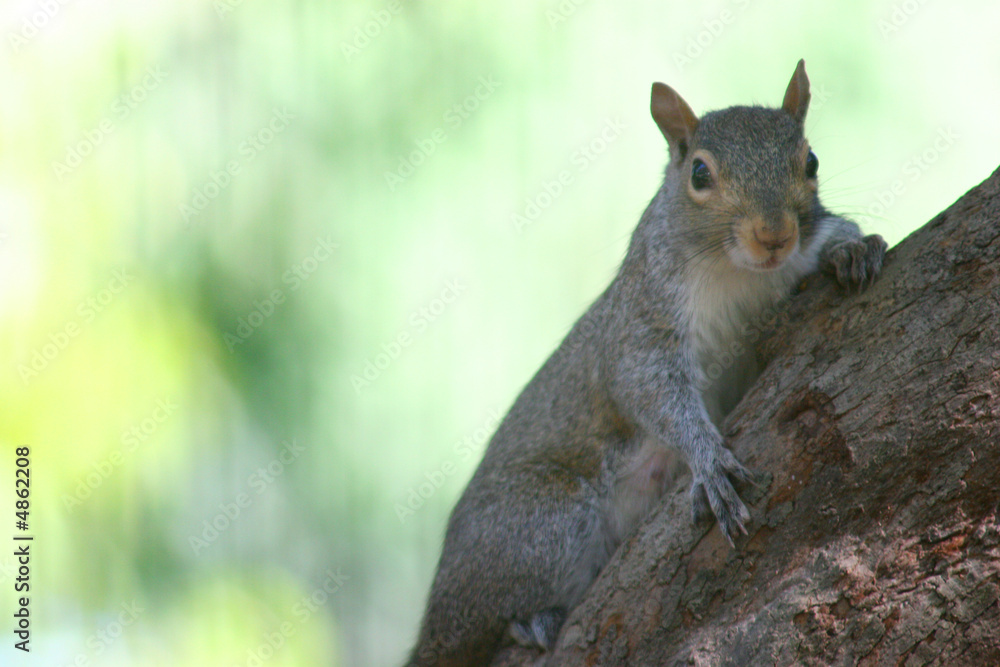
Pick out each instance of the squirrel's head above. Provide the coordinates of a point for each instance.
(745, 177)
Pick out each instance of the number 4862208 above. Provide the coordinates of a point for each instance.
(21, 482)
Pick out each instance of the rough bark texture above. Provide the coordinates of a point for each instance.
(878, 539)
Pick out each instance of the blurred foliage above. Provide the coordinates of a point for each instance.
(255, 369)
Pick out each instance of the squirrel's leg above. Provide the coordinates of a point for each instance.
(658, 379)
(640, 483)
(853, 259)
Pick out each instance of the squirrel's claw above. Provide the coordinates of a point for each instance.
(858, 263)
(713, 493)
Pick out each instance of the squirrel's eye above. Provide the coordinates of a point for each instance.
(701, 175)
(812, 165)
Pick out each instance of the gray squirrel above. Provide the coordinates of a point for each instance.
(585, 451)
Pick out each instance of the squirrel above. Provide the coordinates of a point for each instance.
(585, 451)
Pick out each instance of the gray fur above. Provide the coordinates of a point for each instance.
(587, 448)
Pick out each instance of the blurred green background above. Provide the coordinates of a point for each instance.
(270, 272)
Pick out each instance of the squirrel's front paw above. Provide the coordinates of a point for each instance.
(713, 493)
(858, 263)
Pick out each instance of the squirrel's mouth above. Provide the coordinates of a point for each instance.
(771, 262)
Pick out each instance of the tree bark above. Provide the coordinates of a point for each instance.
(877, 541)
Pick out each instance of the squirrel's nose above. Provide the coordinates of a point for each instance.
(771, 240)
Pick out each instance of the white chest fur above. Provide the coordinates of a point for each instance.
(726, 308)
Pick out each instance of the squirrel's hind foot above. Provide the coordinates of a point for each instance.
(541, 630)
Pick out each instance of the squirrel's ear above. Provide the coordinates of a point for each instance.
(674, 118)
(797, 94)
